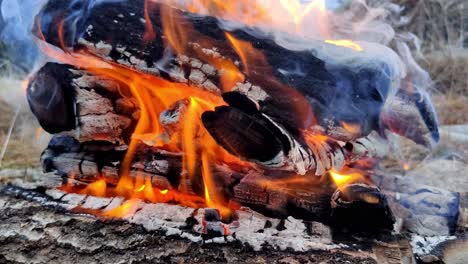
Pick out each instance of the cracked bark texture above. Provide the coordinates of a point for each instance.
(32, 233)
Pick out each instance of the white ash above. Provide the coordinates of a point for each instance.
(195, 63)
(114, 203)
(72, 200)
(211, 87)
(92, 81)
(110, 126)
(177, 74)
(171, 219)
(101, 48)
(424, 245)
(96, 202)
(182, 59)
(253, 92)
(197, 77)
(140, 64)
(208, 69)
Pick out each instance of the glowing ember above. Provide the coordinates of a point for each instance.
(406, 167)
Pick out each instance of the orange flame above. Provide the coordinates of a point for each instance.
(266, 13)
(97, 188)
(149, 31)
(351, 128)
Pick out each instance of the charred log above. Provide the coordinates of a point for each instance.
(102, 113)
(310, 199)
(52, 99)
(352, 201)
(300, 83)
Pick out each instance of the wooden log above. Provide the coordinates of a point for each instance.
(102, 113)
(307, 198)
(291, 103)
(161, 229)
(67, 100)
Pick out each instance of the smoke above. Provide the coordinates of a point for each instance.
(17, 19)
(297, 25)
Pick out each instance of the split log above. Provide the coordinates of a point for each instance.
(65, 99)
(285, 100)
(100, 113)
(309, 199)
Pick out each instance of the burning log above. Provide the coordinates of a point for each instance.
(298, 197)
(95, 118)
(238, 61)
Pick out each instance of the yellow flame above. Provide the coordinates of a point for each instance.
(164, 191)
(341, 179)
(345, 43)
(140, 189)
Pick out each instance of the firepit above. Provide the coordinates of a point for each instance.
(204, 122)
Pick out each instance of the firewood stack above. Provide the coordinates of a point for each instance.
(267, 102)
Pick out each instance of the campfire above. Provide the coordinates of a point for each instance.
(201, 104)
(258, 121)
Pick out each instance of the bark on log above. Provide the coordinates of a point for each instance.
(31, 231)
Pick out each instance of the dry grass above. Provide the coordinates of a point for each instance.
(25, 144)
(442, 28)
(439, 24)
(449, 70)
